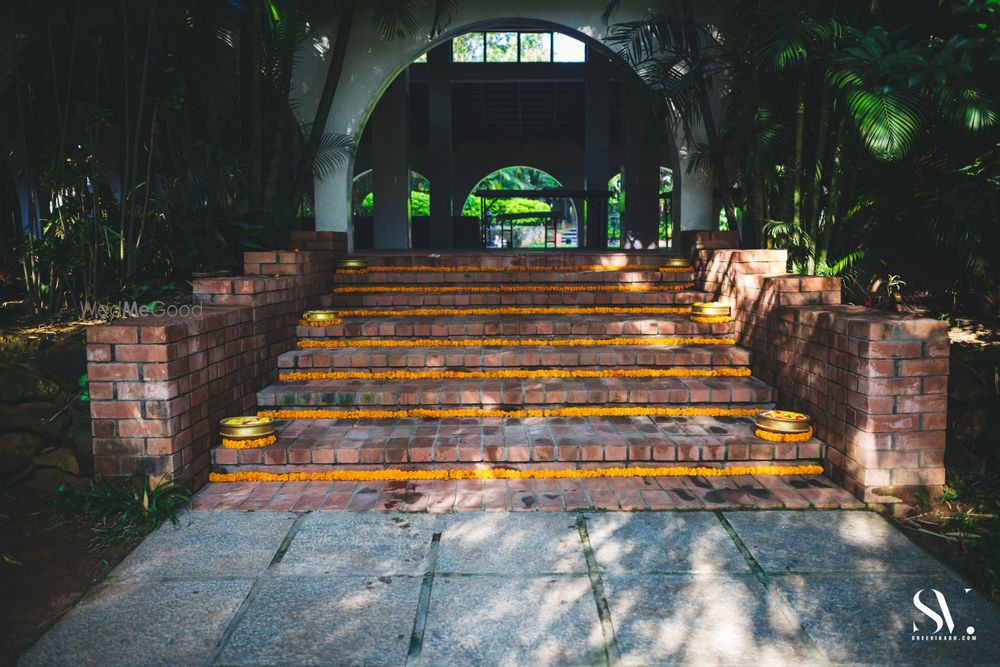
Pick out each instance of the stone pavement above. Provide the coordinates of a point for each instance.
(505, 588)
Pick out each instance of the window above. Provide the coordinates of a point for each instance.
(422, 58)
(469, 48)
(536, 47)
(565, 49)
(513, 47)
(501, 47)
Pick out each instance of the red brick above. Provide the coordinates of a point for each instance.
(921, 440)
(115, 334)
(143, 352)
(100, 372)
(908, 367)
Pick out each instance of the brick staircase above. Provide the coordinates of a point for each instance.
(307, 445)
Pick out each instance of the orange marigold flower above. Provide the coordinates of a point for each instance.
(486, 289)
(249, 443)
(509, 269)
(476, 413)
(395, 475)
(516, 310)
(292, 376)
(516, 342)
(711, 319)
(783, 437)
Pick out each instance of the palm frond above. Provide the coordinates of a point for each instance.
(394, 19)
(335, 150)
(887, 120)
(443, 11)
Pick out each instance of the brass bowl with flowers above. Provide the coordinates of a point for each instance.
(676, 263)
(710, 309)
(783, 421)
(321, 316)
(247, 427)
(352, 263)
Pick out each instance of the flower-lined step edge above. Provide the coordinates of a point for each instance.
(783, 437)
(504, 310)
(294, 376)
(481, 289)
(517, 342)
(396, 475)
(485, 413)
(249, 443)
(512, 269)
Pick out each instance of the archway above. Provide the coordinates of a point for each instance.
(530, 221)
(374, 63)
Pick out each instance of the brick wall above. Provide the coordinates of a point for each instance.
(159, 385)
(875, 382)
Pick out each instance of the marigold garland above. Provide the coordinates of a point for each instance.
(516, 342)
(396, 475)
(294, 376)
(511, 269)
(783, 437)
(319, 323)
(482, 289)
(485, 413)
(514, 310)
(711, 319)
(254, 443)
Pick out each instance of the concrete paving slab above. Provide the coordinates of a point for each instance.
(870, 618)
(828, 541)
(351, 543)
(702, 619)
(326, 621)
(662, 542)
(514, 621)
(142, 622)
(207, 544)
(510, 543)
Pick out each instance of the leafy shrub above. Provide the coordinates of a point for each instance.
(122, 512)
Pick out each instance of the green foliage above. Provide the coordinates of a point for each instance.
(846, 132)
(122, 512)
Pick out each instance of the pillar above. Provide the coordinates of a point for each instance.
(594, 234)
(390, 168)
(641, 178)
(439, 172)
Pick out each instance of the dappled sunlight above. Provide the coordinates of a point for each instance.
(701, 619)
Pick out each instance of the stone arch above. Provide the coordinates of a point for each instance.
(373, 63)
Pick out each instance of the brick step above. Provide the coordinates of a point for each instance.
(523, 257)
(448, 299)
(517, 325)
(530, 357)
(401, 276)
(517, 393)
(314, 445)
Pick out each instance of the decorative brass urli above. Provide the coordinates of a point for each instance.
(352, 263)
(246, 427)
(783, 422)
(676, 263)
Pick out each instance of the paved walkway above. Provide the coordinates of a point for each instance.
(505, 588)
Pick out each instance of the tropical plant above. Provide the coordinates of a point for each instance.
(834, 117)
(123, 511)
